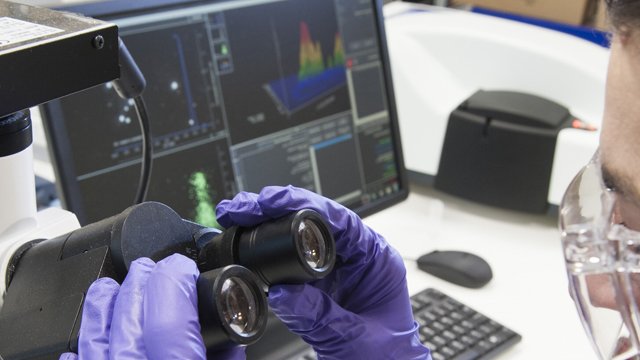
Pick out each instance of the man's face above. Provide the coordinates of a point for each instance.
(620, 138)
(620, 152)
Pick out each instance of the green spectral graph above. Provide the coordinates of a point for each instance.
(205, 212)
(311, 61)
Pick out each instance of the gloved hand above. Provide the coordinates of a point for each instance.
(359, 311)
(153, 315)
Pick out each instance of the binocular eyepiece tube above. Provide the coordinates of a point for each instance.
(237, 266)
(293, 249)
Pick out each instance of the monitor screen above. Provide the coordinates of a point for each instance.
(240, 94)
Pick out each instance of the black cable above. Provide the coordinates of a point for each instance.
(147, 150)
(130, 85)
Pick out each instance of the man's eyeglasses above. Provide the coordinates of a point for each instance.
(602, 258)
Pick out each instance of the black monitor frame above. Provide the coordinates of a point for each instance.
(56, 131)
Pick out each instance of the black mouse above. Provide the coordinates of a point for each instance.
(458, 267)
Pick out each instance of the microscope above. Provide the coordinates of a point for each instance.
(47, 261)
(44, 55)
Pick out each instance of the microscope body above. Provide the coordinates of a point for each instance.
(47, 279)
(47, 262)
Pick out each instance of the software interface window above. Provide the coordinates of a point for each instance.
(240, 95)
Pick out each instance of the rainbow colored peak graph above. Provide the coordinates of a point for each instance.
(311, 61)
(316, 75)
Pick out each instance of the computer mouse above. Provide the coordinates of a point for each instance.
(459, 267)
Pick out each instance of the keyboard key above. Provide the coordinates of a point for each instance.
(478, 319)
(438, 326)
(440, 311)
(467, 355)
(457, 345)
(439, 341)
(483, 346)
(448, 352)
(438, 356)
(469, 340)
(500, 337)
(425, 298)
(427, 331)
(477, 334)
(449, 335)
(468, 324)
(447, 321)
(450, 305)
(435, 294)
(466, 310)
(415, 305)
(421, 321)
(458, 330)
(495, 339)
(488, 329)
(429, 316)
(423, 338)
(457, 316)
(430, 345)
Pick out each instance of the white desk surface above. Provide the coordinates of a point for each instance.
(528, 292)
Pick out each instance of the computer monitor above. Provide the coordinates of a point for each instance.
(240, 94)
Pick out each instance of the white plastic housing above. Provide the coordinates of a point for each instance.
(17, 192)
(440, 56)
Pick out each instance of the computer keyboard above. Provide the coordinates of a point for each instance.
(454, 331)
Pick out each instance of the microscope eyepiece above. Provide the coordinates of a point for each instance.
(239, 306)
(293, 249)
(232, 307)
(314, 245)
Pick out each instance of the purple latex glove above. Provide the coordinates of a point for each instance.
(152, 315)
(359, 311)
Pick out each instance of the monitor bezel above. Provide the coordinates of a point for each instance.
(59, 148)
